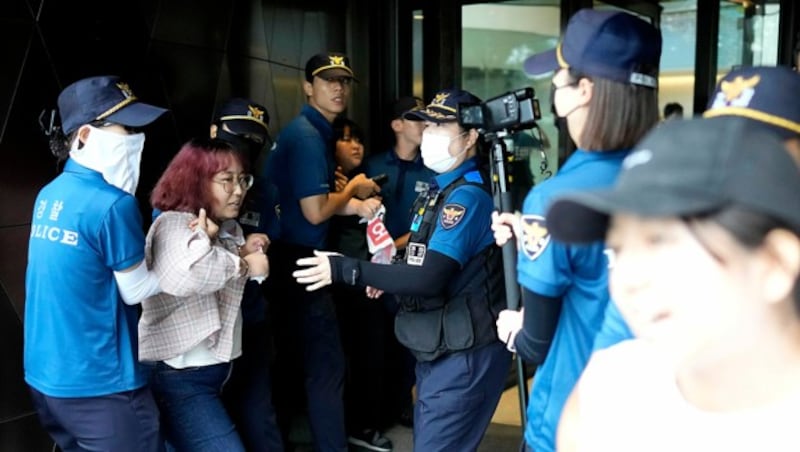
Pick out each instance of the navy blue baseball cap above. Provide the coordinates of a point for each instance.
(329, 64)
(405, 104)
(759, 94)
(103, 98)
(443, 107)
(608, 44)
(688, 168)
(243, 117)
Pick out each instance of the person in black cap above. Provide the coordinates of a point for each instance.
(446, 316)
(605, 85)
(244, 124)
(301, 165)
(704, 228)
(756, 94)
(248, 392)
(407, 178)
(86, 273)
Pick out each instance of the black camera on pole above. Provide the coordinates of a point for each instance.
(496, 119)
(510, 112)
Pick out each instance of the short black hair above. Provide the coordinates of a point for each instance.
(673, 108)
(343, 124)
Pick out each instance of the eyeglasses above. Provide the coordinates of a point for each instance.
(345, 81)
(245, 181)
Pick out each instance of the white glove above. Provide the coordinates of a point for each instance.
(509, 324)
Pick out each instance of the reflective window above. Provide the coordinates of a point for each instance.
(416, 53)
(496, 39)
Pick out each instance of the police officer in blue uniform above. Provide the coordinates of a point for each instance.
(450, 286)
(248, 393)
(605, 85)
(302, 167)
(86, 273)
(407, 176)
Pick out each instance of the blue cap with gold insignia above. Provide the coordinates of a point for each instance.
(406, 104)
(328, 64)
(103, 98)
(611, 45)
(243, 117)
(759, 94)
(443, 107)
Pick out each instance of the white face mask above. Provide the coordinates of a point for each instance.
(436, 152)
(116, 157)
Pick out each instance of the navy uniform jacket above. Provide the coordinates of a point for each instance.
(302, 165)
(407, 180)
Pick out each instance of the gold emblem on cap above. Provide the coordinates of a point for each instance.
(336, 60)
(256, 112)
(438, 102)
(440, 99)
(126, 90)
(733, 99)
(129, 98)
(733, 89)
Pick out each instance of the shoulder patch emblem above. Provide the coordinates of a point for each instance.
(535, 235)
(452, 215)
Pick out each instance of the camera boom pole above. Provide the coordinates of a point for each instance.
(503, 203)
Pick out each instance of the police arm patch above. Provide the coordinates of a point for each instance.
(535, 235)
(452, 214)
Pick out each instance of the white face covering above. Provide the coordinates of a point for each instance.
(436, 152)
(116, 157)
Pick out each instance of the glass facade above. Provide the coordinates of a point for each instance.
(497, 37)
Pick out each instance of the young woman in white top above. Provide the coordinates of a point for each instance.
(702, 228)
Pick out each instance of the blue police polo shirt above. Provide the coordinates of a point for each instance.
(576, 273)
(407, 180)
(463, 228)
(614, 329)
(302, 165)
(80, 337)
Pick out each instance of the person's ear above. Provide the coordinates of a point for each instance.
(473, 136)
(308, 88)
(585, 89)
(396, 125)
(212, 131)
(781, 248)
(83, 134)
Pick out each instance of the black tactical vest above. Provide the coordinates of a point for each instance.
(464, 316)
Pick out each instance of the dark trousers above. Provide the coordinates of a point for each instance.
(248, 394)
(309, 360)
(192, 415)
(125, 421)
(375, 379)
(457, 395)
